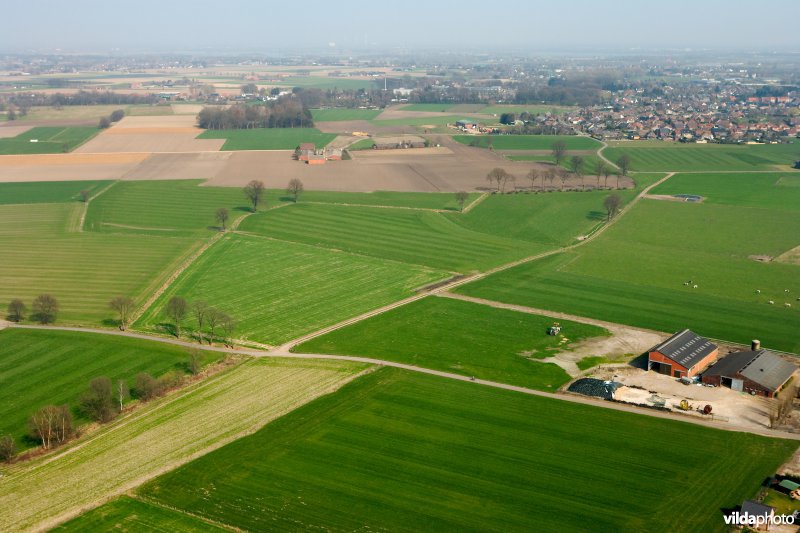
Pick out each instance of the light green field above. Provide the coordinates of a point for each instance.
(460, 337)
(42, 252)
(635, 274)
(49, 140)
(277, 291)
(775, 191)
(47, 192)
(419, 121)
(532, 109)
(680, 157)
(589, 164)
(268, 138)
(180, 207)
(400, 451)
(39, 367)
(435, 108)
(338, 114)
(528, 142)
(363, 144)
(417, 200)
(418, 237)
(160, 436)
(320, 82)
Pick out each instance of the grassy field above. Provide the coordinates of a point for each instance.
(532, 109)
(417, 237)
(460, 337)
(268, 138)
(163, 207)
(529, 142)
(419, 200)
(680, 157)
(47, 192)
(160, 436)
(406, 452)
(419, 121)
(435, 108)
(774, 191)
(49, 140)
(43, 253)
(337, 114)
(278, 290)
(589, 163)
(553, 219)
(130, 514)
(66, 362)
(363, 144)
(324, 83)
(636, 273)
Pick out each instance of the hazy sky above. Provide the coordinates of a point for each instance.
(265, 26)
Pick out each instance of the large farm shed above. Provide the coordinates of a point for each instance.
(757, 372)
(685, 354)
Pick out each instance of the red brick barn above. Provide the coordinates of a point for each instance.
(758, 372)
(683, 355)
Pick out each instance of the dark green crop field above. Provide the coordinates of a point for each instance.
(47, 192)
(406, 452)
(47, 140)
(460, 337)
(528, 142)
(268, 138)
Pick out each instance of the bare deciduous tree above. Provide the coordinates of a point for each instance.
(84, 195)
(562, 175)
(254, 191)
(612, 203)
(599, 167)
(145, 386)
(294, 188)
(228, 326)
(222, 216)
(497, 175)
(576, 163)
(123, 393)
(559, 149)
(213, 318)
(176, 309)
(124, 306)
(193, 363)
(606, 174)
(45, 309)
(200, 311)
(52, 425)
(624, 164)
(16, 310)
(8, 448)
(98, 401)
(461, 198)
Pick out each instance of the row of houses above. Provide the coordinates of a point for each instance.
(755, 371)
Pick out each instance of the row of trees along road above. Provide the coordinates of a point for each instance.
(209, 320)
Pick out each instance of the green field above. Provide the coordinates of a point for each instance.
(417, 200)
(42, 252)
(39, 367)
(338, 114)
(430, 108)
(129, 514)
(680, 157)
(48, 140)
(460, 337)
(419, 121)
(589, 164)
(277, 291)
(532, 109)
(161, 435)
(405, 452)
(47, 192)
(418, 237)
(268, 138)
(775, 191)
(553, 219)
(325, 83)
(528, 142)
(163, 207)
(363, 144)
(635, 274)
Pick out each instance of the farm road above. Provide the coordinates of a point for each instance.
(282, 352)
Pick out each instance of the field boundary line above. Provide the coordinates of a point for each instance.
(475, 202)
(283, 352)
(427, 209)
(89, 200)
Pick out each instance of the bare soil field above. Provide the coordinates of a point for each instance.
(168, 133)
(7, 131)
(67, 167)
(792, 256)
(202, 165)
(187, 109)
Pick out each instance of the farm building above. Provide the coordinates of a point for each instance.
(466, 124)
(683, 355)
(751, 508)
(757, 372)
(316, 159)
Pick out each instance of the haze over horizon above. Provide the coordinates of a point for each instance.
(250, 26)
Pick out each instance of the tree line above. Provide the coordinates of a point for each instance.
(286, 112)
(102, 401)
(25, 100)
(115, 116)
(210, 321)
